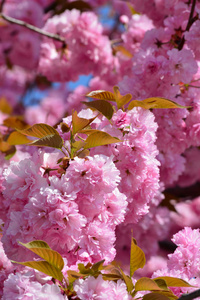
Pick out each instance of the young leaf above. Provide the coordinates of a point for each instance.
(161, 283)
(102, 95)
(88, 131)
(98, 266)
(133, 11)
(73, 275)
(147, 284)
(53, 141)
(15, 122)
(5, 107)
(7, 149)
(36, 244)
(39, 130)
(127, 280)
(99, 138)
(43, 250)
(173, 281)
(155, 296)
(17, 138)
(43, 266)
(121, 100)
(137, 257)
(79, 123)
(78, 145)
(155, 102)
(123, 50)
(111, 276)
(84, 269)
(104, 107)
(4, 146)
(83, 153)
(10, 153)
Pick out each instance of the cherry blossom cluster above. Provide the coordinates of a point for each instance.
(88, 206)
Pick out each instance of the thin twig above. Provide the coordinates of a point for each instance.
(2, 4)
(189, 24)
(190, 296)
(34, 28)
(191, 20)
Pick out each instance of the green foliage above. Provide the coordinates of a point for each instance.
(82, 135)
(137, 257)
(104, 107)
(100, 138)
(155, 102)
(52, 265)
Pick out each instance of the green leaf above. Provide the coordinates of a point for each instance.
(79, 123)
(7, 149)
(102, 95)
(100, 138)
(161, 283)
(127, 280)
(121, 100)
(147, 284)
(35, 244)
(111, 276)
(16, 138)
(43, 250)
(53, 141)
(43, 266)
(173, 281)
(104, 107)
(85, 269)
(98, 266)
(83, 153)
(10, 153)
(78, 145)
(123, 50)
(155, 296)
(73, 275)
(5, 107)
(137, 257)
(133, 11)
(48, 137)
(39, 130)
(155, 102)
(89, 131)
(15, 122)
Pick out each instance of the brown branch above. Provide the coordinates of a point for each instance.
(191, 20)
(2, 4)
(34, 28)
(190, 296)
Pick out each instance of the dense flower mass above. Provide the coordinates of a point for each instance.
(93, 173)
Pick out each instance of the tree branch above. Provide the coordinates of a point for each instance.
(191, 20)
(190, 296)
(34, 28)
(2, 4)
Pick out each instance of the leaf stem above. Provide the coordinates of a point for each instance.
(82, 139)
